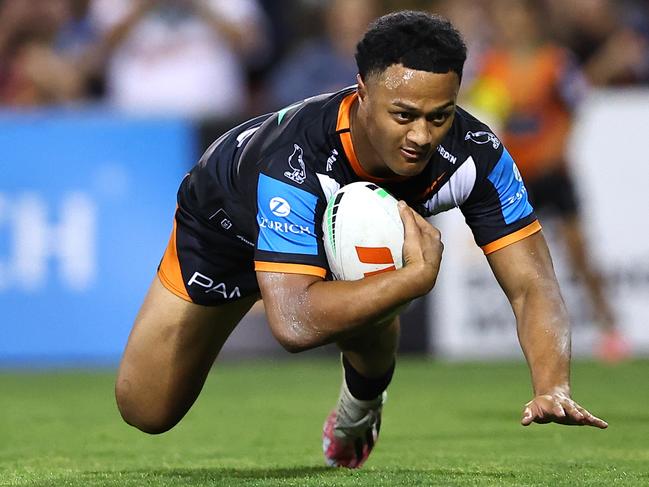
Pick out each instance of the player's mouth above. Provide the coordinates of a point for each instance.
(412, 155)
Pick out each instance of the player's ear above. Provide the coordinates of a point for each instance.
(362, 89)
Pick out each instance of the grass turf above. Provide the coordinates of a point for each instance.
(258, 424)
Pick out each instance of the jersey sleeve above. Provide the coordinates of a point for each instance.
(498, 210)
(289, 215)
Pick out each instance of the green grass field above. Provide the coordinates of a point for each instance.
(258, 424)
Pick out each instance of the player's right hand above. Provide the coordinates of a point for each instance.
(422, 247)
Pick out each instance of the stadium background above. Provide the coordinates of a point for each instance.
(105, 104)
(91, 159)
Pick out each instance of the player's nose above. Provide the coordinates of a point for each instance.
(420, 134)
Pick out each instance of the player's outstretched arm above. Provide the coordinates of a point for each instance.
(524, 270)
(306, 312)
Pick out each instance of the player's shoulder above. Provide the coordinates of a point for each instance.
(297, 142)
(472, 139)
(311, 121)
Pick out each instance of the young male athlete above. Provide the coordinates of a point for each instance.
(249, 222)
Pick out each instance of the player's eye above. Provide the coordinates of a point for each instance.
(403, 116)
(439, 118)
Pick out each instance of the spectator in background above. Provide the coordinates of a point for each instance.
(530, 87)
(325, 63)
(610, 39)
(32, 71)
(471, 18)
(182, 57)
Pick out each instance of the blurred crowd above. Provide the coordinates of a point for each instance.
(220, 61)
(233, 58)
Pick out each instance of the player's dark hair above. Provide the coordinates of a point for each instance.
(417, 40)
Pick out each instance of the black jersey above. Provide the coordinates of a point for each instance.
(264, 185)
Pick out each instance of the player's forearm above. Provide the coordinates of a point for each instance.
(544, 334)
(327, 311)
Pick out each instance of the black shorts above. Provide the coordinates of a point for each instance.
(207, 264)
(553, 193)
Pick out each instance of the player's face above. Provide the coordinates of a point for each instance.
(405, 114)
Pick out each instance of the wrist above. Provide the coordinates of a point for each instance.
(420, 278)
(553, 390)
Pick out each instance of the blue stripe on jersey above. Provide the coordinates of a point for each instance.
(510, 188)
(286, 218)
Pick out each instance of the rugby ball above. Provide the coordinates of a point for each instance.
(362, 231)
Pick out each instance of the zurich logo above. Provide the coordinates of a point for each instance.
(279, 206)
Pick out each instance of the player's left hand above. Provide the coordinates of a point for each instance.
(558, 408)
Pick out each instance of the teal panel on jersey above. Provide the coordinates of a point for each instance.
(286, 218)
(510, 188)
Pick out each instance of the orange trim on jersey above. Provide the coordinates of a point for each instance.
(169, 270)
(344, 111)
(310, 270)
(374, 255)
(432, 187)
(344, 123)
(502, 242)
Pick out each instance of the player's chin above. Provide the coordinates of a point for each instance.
(410, 167)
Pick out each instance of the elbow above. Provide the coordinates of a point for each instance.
(294, 346)
(295, 342)
(294, 338)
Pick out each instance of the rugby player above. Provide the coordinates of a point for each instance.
(248, 225)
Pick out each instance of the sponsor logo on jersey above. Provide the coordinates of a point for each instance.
(332, 159)
(207, 283)
(446, 154)
(520, 194)
(223, 218)
(245, 240)
(517, 173)
(279, 206)
(508, 184)
(483, 137)
(284, 227)
(287, 222)
(296, 163)
(225, 223)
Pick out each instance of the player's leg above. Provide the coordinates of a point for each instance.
(612, 346)
(352, 428)
(372, 353)
(169, 353)
(572, 233)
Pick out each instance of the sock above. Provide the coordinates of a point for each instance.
(365, 388)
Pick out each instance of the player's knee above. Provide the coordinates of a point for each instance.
(145, 415)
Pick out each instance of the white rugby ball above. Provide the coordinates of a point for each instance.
(363, 232)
